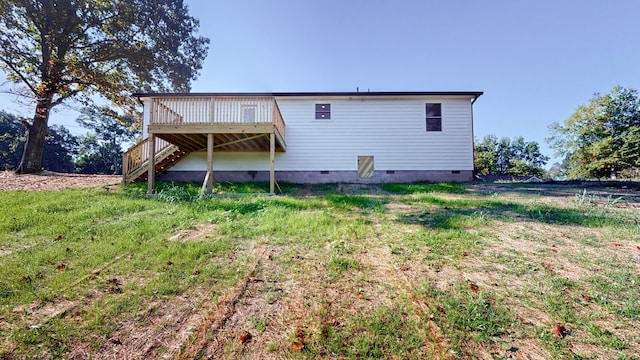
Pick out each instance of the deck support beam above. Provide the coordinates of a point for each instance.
(151, 174)
(272, 162)
(209, 180)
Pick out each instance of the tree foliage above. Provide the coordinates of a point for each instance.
(11, 141)
(60, 145)
(602, 138)
(60, 148)
(517, 157)
(74, 49)
(100, 151)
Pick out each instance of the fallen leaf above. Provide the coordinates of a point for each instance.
(404, 268)
(245, 337)
(473, 287)
(253, 279)
(332, 321)
(360, 296)
(559, 331)
(59, 237)
(115, 341)
(587, 297)
(297, 346)
(61, 267)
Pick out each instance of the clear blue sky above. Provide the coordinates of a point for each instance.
(536, 61)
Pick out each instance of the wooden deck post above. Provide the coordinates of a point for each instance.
(151, 174)
(272, 161)
(209, 177)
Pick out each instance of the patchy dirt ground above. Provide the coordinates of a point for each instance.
(48, 180)
(530, 264)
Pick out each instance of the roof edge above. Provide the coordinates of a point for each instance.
(475, 94)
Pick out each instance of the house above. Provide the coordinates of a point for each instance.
(305, 137)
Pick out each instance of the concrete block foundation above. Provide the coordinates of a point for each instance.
(323, 177)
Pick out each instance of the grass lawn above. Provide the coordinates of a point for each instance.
(442, 271)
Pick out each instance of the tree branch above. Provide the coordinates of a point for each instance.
(19, 74)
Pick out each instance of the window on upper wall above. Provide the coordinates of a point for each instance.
(434, 116)
(323, 111)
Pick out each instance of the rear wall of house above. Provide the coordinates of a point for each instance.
(392, 130)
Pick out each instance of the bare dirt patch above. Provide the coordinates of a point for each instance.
(47, 180)
(198, 232)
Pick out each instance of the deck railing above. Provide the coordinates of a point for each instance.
(216, 110)
(278, 121)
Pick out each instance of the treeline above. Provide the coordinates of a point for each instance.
(512, 157)
(602, 138)
(99, 151)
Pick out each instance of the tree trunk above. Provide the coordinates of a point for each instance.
(36, 136)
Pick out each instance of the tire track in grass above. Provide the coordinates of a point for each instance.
(380, 261)
(40, 315)
(219, 313)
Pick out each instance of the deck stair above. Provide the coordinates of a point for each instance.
(136, 159)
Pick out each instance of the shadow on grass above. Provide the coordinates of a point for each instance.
(465, 213)
(424, 187)
(248, 201)
(348, 202)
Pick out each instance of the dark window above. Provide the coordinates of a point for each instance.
(323, 111)
(434, 117)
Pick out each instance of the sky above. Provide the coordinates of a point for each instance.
(536, 61)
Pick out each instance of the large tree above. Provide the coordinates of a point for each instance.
(602, 138)
(100, 151)
(516, 157)
(74, 49)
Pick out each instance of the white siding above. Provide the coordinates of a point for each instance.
(392, 130)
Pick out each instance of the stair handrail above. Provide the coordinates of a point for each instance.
(137, 156)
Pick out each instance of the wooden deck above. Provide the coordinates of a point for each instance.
(178, 126)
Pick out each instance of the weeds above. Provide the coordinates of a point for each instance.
(91, 267)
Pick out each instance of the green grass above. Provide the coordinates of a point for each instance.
(363, 274)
